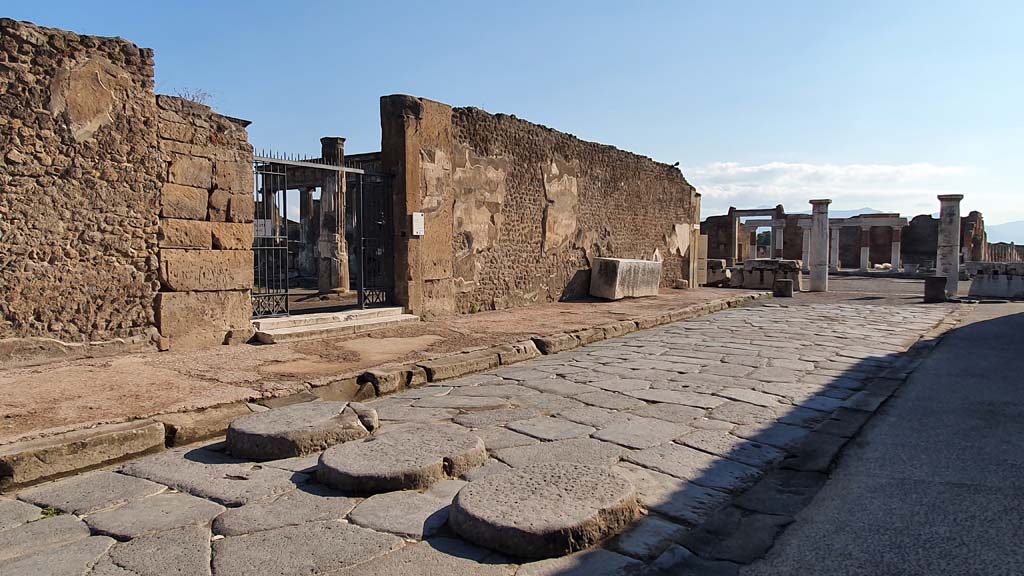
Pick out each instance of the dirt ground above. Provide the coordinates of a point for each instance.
(57, 397)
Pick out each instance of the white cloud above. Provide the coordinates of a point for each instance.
(906, 188)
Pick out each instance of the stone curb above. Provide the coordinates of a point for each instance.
(744, 530)
(31, 461)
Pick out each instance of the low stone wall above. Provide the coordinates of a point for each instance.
(997, 280)
(514, 211)
(206, 226)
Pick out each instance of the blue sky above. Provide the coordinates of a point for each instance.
(880, 104)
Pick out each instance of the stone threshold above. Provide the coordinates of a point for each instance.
(31, 461)
(745, 530)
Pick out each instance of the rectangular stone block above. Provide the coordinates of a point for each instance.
(231, 236)
(199, 319)
(187, 427)
(761, 274)
(183, 202)
(555, 343)
(459, 364)
(176, 233)
(997, 280)
(241, 208)
(206, 270)
(233, 176)
(190, 171)
(617, 278)
(34, 460)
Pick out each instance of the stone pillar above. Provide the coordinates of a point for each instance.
(833, 253)
(819, 248)
(333, 265)
(777, 241)
(865, 248)
(307, 233)
(734, 240)
(947, 257)
(805, 254)
(752, 247)
(897, 247)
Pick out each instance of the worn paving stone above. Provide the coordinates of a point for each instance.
(436, 557)
(782, 492)
(395, 413)
(559, 386)
(696, 466)
(675, 413)
(597, 562)
(640, 432)
(154, 514)
(311, 548)
(183, 551)
(213, 475)
(822, 403)
(497, 438)
(410, 459)
(669, 496)
(303, 464)
(621, 384)
(816, 453)
(14, 513)
(678, 397)
(798, 416)
(522, 373)
(90, 492)
(547, 403)
(736, 536)
(844, 422)
(544, 510)
(648, 538)
(47, 532)
(490, 467)
(549, 428)
(726, 445)
(610, 400)
(742, 413)
(497, 390)
(310, 503)
(297, 430)
(592, 416)
(671, 560)
(498, 417)
(732, 370)
(577, 450)
(406, 513)
(72, 559)
(751, 396)
(445, 490)
(467, 403)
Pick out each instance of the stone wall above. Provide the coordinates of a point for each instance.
(80, 186)
(514, 211)
(206, 229)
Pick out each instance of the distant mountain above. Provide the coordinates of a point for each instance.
(1008, 232)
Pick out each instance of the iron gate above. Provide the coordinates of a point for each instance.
(368, 233)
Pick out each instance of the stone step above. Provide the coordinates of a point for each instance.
(325, 318)
(331, 329)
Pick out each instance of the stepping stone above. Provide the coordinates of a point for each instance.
(641, 432)
(299, 429)
(90, 493)
(45, 533)
(589, 563)
(406, 513)
(14, 513)
(213, 476)
(72, 559)
(548, 428)
(413, 458)
(308, 504)
(544, 510)
(154, 514)
(312, 548)
(440, 556)
(184, 551)
(577, 450)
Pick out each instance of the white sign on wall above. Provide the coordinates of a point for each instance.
(417, 224)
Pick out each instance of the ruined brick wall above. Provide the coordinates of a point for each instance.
(79, 186)
(718, 229)
(206, 226)
(514, 210)
(920, 239)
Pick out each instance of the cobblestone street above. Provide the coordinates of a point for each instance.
(723, 426)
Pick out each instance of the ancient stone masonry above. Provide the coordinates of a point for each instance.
(79, 186)
(206, 229)
(514, 211)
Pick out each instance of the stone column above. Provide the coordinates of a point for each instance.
(307, 233)
(947, 257)
(833, 254)
(777, 241)
(734, 240)
(897, 247)
(752, 247)
(819, 248)
(865, 247)
(333, 265)
(805, 254)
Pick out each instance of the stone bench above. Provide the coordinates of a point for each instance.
(997, 279)
(617, 278)
(761, 274)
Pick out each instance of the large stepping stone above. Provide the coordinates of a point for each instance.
(299, 429)
(545, 510)
(413, 458)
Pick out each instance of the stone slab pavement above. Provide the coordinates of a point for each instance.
(693, 414)
(935, 482)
